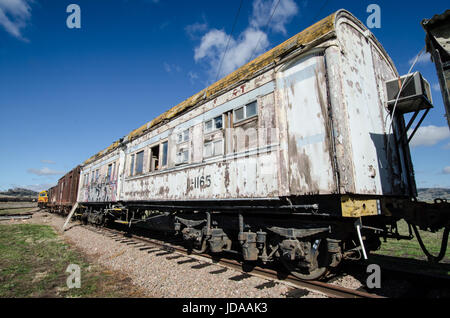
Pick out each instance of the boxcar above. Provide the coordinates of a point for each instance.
(64, 195)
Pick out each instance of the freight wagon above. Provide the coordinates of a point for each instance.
(63, 196)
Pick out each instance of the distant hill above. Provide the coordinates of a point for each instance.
(429, 194)
(18, 193)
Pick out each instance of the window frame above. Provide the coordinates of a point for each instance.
(132, 164)
(214, 128)
(135, 173)
(161, 154)
(182, 151)
(182, 135)
(245, 111)
(213, 142)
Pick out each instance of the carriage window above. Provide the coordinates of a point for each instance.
(183, 156)
(213, 148)
(208, 126)
(183, 137)
(239, 114)
(140, 162)
(154, 158)
(132, 165)
(213, 124)
(164, 154)
(108, 175)
(250, 110)
(247, 111)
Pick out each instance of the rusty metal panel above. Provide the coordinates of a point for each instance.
(64, 194)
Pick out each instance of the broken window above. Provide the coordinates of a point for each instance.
(108, 175)
(154, 158)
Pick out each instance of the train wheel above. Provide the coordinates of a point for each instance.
(319, 264)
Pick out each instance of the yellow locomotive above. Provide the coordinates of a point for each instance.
(43, 199)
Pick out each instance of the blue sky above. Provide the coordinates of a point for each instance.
(67, 93)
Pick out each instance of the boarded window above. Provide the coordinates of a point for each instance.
(140, 162)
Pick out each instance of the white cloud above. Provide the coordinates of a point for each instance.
(14, 16)
(263, 9)
(213, 44)
(245, 46)
(423, 59)
(429, 135)
(44, 171)
(446, 170)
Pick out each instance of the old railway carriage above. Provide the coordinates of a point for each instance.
(276, 160)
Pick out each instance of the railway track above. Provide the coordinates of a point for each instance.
(330, 290)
